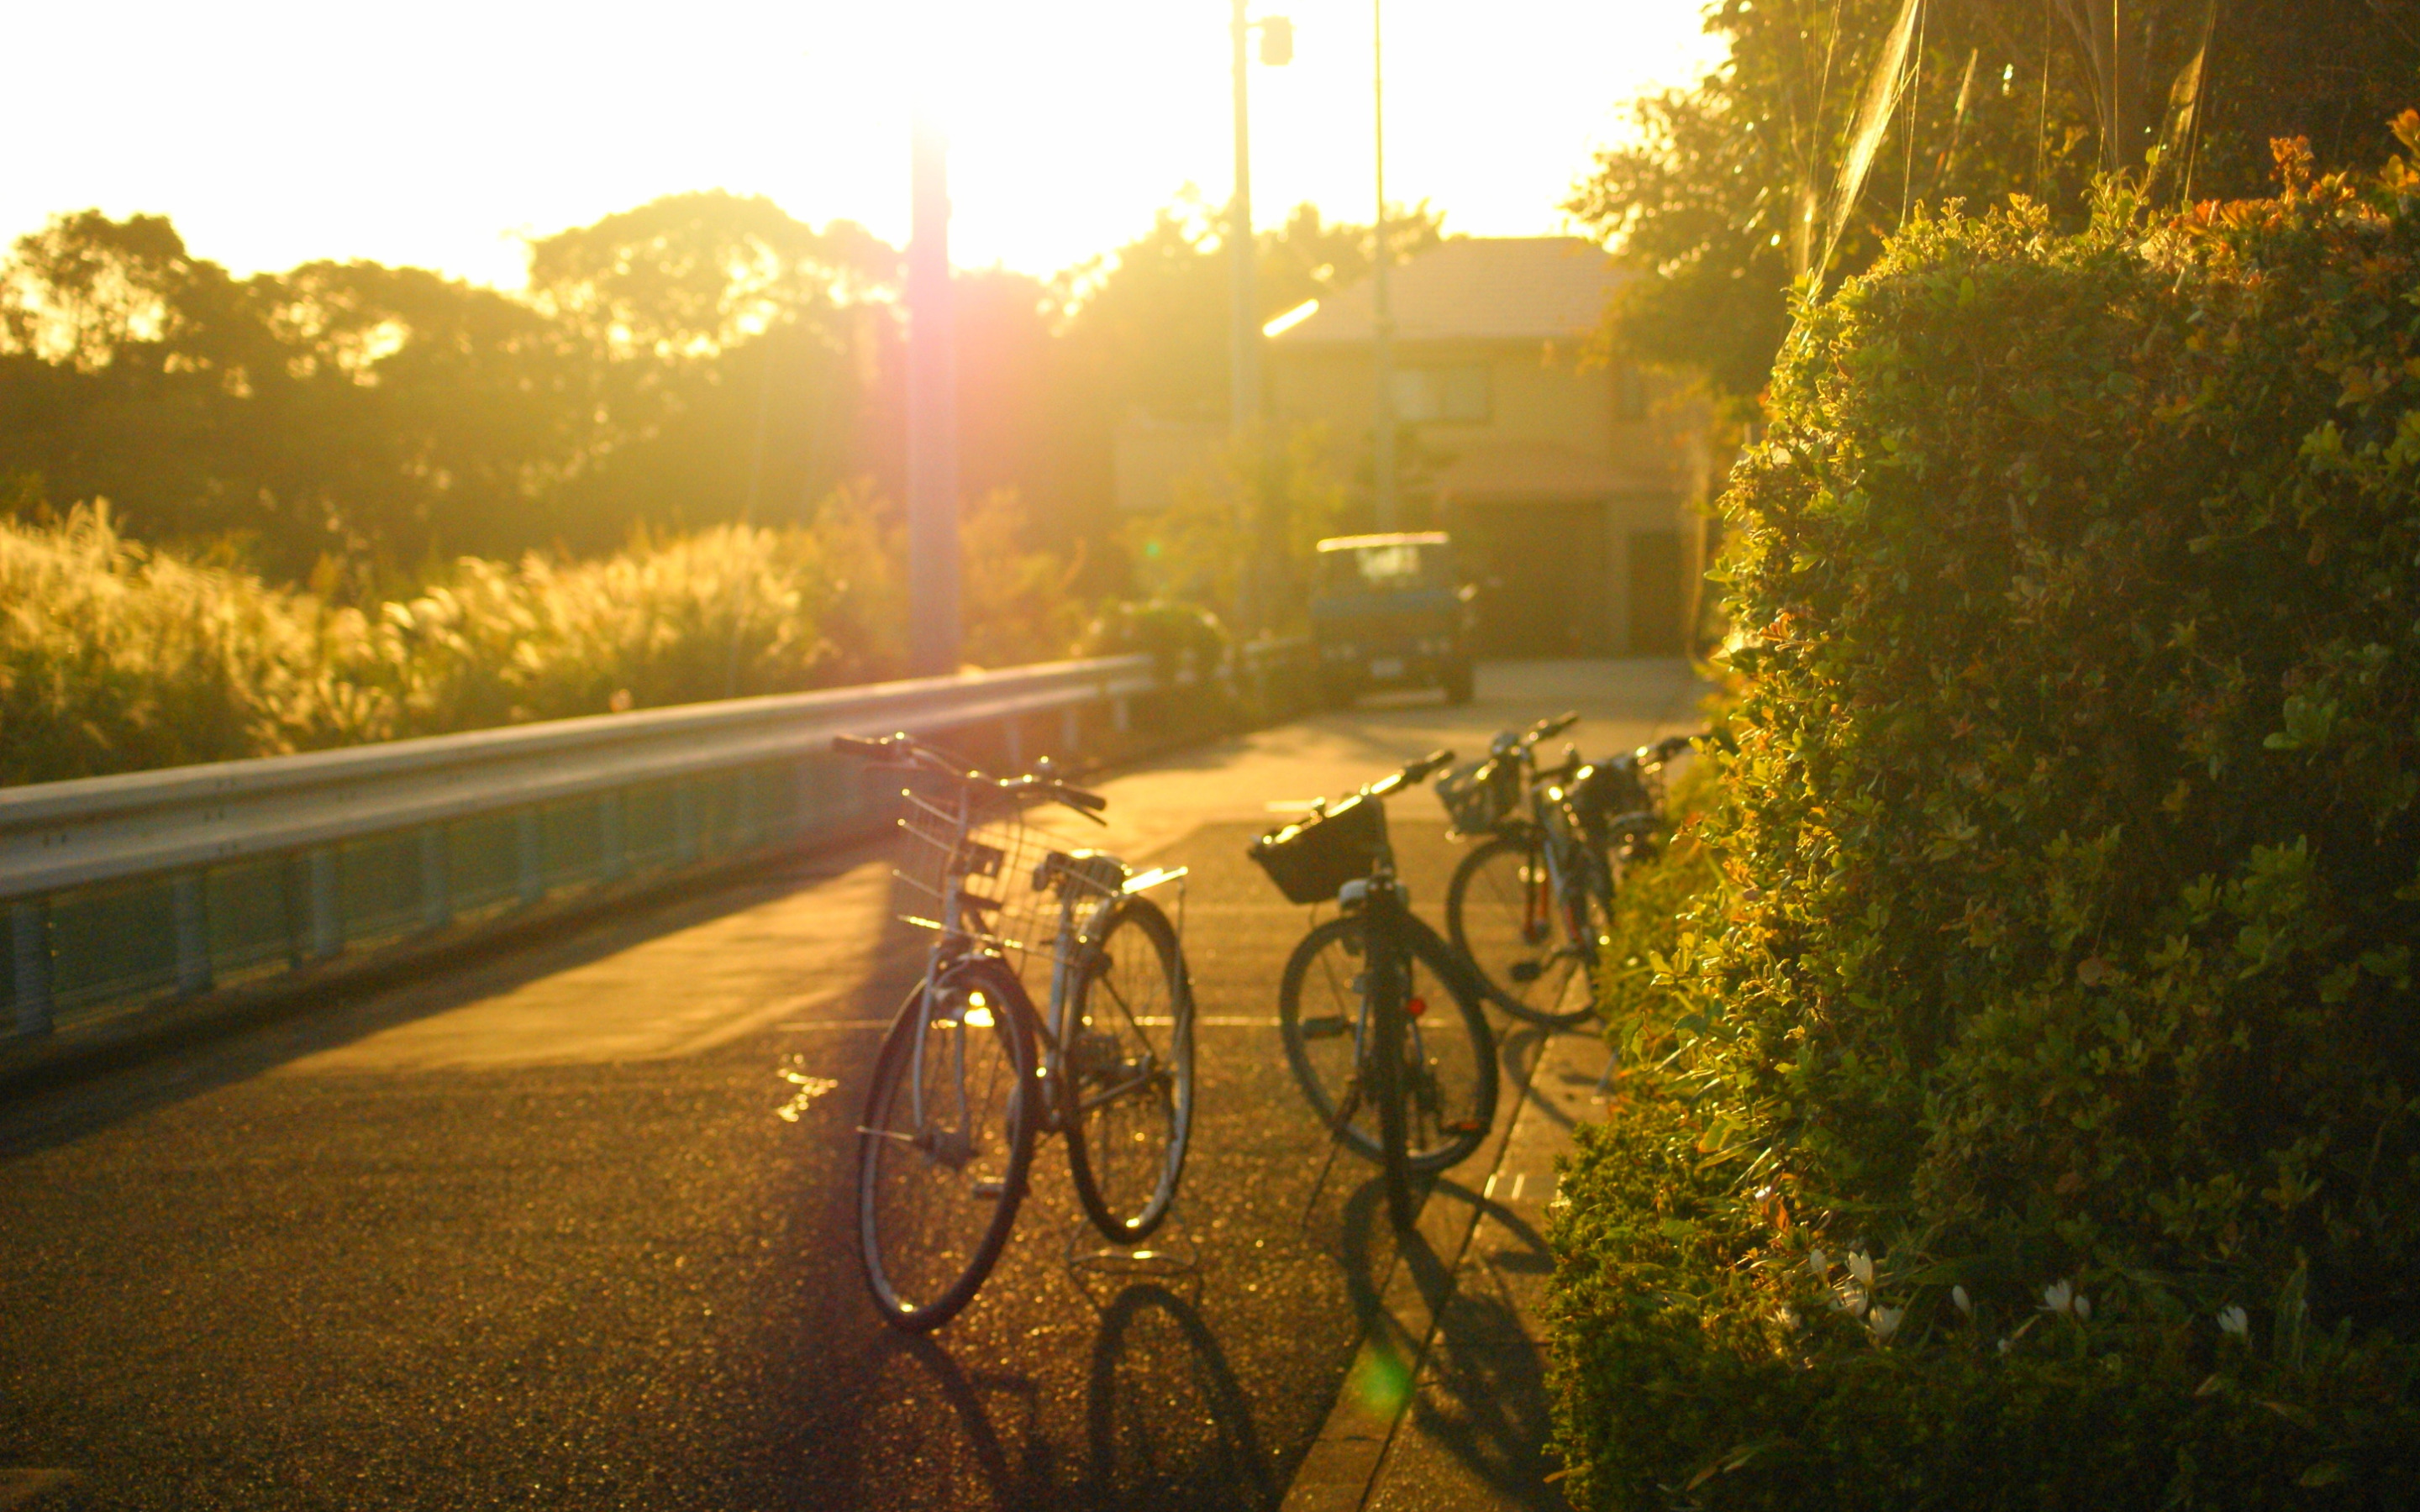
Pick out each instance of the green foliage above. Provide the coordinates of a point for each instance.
(1263, 512)
(2068, 862)
(117, 658)
(1712, 197)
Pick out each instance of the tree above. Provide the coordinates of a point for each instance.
(1735, 188)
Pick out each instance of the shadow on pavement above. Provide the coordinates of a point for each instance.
(1166, 1425)
(1480, 1394)
(60, 1115)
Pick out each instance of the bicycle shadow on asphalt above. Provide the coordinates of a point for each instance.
(1478, 1392)
(1166, 1425)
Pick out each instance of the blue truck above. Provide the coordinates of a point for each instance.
(1390, 611)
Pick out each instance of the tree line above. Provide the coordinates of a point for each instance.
(702, 359)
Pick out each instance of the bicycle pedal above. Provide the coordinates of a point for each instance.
(1332, 1028)
(991, 1188)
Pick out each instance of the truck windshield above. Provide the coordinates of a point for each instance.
(1382, 568)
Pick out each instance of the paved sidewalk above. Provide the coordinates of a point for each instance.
(1446, 1406)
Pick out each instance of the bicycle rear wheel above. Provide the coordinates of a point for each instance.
(942, 1153)
(1127, 1096)
(1448, 1054)
(1536, 954)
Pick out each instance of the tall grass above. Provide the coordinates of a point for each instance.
(115, 656)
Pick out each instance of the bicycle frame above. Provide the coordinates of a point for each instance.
(958, 956)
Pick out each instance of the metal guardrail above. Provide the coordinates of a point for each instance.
(125, 890)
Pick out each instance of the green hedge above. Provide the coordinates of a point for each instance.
(2059, 968)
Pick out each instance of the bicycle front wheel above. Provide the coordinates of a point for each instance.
(1535, 953)
(942, 1153)
(1447, 1055)
(1127, 1099)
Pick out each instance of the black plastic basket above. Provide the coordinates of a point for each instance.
(1478, 795)
(1312, 857)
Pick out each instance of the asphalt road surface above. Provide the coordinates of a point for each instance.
(568, 1229)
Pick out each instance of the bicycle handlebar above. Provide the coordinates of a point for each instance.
(902, 750)
(1411, 776)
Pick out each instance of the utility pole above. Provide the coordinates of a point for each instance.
(932, 412)
(1243, 339)
(1244, 392)
(1381, 329)
(1244, 363)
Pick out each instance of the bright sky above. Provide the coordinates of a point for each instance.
(442, 132)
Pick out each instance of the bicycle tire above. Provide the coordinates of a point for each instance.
(1136, 963)
(965, 1171)
(1502, 925)
(1453, 1090)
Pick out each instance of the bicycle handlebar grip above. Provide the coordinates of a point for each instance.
(1548, 728)
(1419, 771)
(861, 745)
(1079, 797)
(1670, 746)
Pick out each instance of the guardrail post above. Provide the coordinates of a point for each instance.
(327, 914)
(683, 822)
(1014, 740)
(188, 897)
(529, 870)
(436, 877)
(612, 840)
(1120, 714)
(1071, 732)
(29, 930)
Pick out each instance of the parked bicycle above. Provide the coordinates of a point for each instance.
(1532, 906)
(1380, 1018)
(972, 1072)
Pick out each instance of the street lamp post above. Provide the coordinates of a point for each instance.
(1244, 391)
(932, 412)
(1382, 327)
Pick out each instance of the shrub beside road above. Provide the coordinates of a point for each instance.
(2022, 1109)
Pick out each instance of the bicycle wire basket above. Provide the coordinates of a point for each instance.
(1478, 795)
(1312, 858)
(987, 848)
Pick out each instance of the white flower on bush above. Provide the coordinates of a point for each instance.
(1850, 1297)
(1884, 1322)
(2235, 1320)
(1862, 1268)
(1963, 1303)
(1819, 1263)
(2059, 1297)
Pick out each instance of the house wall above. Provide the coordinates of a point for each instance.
(1644, 475)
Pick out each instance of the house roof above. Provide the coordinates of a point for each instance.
(1471, 288)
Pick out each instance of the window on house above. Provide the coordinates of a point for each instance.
(1457, 395)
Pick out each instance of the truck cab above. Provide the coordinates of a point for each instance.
(1390, 611)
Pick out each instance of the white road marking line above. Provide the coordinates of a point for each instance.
(1518, 1182)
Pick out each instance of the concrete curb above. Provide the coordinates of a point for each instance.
(1342, 1469)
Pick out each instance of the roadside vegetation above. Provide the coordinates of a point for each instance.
(2022, 1106)
(117, 657)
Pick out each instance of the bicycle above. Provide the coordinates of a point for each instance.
(1531, 906)
(970, 1072)
(1381, 1020)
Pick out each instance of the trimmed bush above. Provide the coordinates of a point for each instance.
(2059, 968)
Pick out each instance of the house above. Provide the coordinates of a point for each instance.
(1569, 484)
